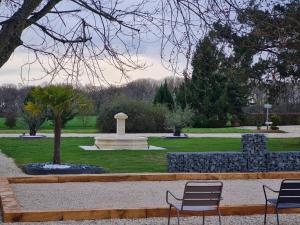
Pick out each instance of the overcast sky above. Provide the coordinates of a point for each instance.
(13, 72)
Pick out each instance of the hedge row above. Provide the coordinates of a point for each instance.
(142, 116)
(253, 119)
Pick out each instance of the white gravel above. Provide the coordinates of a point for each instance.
(8, 167)
(128, 194)
(290, 219)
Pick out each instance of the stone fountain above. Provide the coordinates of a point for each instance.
(121, 140)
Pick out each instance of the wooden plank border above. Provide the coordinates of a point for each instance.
(132, 213)
(153, 177)
(8, 201)
(12, 211)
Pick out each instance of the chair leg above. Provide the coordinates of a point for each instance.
(219, 213)
(169, 214)
(266, 208)
(277, 216)
(178, 217)
(203, 219)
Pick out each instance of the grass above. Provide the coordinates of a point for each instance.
(76, 126)
(73, 126)
(40, 150)
(216, 130)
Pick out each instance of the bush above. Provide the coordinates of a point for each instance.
(179, 118)
(142, 116)
(275, 119)
(33, 121)
(284, 118)
(234, 121)
(203, 121)
(10, 120)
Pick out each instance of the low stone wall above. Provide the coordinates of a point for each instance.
(254, 157)
(283, 161)
(207, 162)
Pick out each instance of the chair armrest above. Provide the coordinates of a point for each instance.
(265, 188)
(167, 197)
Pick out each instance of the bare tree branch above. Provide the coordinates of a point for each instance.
(76, 38)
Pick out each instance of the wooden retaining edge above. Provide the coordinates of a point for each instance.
(12, 211)
(8, 201)
(92, 214)
(152, 177)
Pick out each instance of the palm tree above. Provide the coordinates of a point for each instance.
(59, 102)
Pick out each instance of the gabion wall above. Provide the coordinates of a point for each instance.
(254, 157)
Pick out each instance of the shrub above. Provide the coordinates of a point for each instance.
(275, 121)
(33, 121)
(202, 121)
(33, 116)
(142, 116)
(180, 118)
(234, 121)
(10, 120)
(251, 119)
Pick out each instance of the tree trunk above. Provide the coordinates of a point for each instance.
(177, 131)
(57, 137)
(10, 33)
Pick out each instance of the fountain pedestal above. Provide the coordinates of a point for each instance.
(121, 140)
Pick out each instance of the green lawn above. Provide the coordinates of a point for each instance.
(76, 126)
(40, 150)
(216, 130)
(73, 126)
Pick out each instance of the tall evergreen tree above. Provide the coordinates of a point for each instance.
(208, 83)
(164, 96)
(218, 85)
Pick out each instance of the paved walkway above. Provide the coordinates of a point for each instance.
(292, 132)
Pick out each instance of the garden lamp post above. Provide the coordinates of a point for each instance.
(268, 106)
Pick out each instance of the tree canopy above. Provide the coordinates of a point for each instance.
(268, 42)
(164, 96)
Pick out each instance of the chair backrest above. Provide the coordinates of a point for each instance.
(289, 191)
(201, 193)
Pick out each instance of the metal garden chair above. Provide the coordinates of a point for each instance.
(288, 197)
(198, 196)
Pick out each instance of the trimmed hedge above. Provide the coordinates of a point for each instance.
(202, 121)
(143, 116)
(253, 119)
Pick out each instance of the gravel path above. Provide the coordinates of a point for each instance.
(228, 220)
(128, 194)
(293, 132)
(8, 167)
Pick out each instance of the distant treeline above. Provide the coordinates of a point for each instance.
(12, 96)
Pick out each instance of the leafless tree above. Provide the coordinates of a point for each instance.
(12, 98)
(74, 37)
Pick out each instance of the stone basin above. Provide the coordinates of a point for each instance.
(119, 142)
